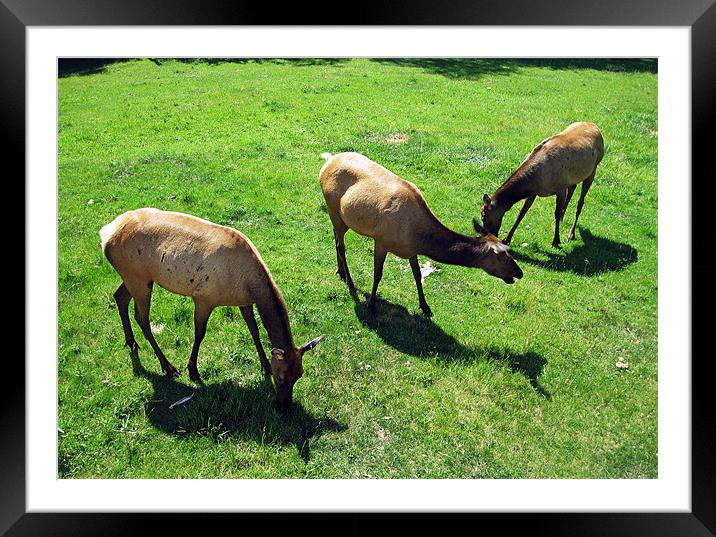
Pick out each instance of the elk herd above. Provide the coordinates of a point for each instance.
(219, 266)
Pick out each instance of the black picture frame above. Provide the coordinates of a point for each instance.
(699, 15)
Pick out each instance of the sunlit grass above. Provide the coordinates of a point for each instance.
(506, 381)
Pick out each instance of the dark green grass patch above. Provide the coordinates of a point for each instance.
(505, 381)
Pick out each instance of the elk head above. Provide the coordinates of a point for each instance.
(491, 217)
(286, 369)
(495, 258)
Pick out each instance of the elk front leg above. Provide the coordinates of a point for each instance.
(248, 313)
(520, 216)
(585, 188)
(419, 283)
(202, 311)
(379, 254)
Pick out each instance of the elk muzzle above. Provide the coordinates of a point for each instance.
(284, 396)
(516, 274)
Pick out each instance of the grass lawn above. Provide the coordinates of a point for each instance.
(506, 381)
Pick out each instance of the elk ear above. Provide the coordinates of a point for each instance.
(308, 346)
(480, 230)
(486, 201)
(277, 353)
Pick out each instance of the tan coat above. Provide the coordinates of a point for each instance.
(567, 158)
(186, 255)
(366, 197)
(374, 202)
(554, 168)
(216, 266)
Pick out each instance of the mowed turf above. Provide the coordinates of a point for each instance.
(506, 381)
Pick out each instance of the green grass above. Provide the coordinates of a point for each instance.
(506, 381)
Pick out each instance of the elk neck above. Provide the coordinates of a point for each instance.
(272, 310)
(446, 246)
(519, 186)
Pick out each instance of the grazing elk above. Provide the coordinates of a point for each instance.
(553, 168)
(214, 265)
(364, 196)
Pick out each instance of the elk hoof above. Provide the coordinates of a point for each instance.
(195, 377)
(371, 307)
(172, 373)
(556, 244)
(194, 374)
(170, 370)
(570, 237)
(426, 311)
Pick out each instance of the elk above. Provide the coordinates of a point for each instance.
(553, 168)
(214, 265)
(372, 201)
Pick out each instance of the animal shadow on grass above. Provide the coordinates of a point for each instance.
(296, 62)
(92, 66)
(595, 255)
(83, 66)
(225, 409)
(475, 68)
(418, 336)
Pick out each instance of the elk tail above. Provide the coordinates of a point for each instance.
(106, 233)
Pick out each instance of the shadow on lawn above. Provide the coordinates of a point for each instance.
(93, 66)
(418, 336)
(298, 62)
(84, 66)
(459, 68)
(474, 68)
(221, 409)
(595, 255)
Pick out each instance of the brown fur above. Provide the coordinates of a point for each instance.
(214, 265)
(553, 168)
(366, 197)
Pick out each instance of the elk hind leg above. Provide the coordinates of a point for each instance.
(142, 294)
(343, 271)
(570, 191)
(122, 298)
(558, 214)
